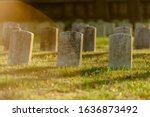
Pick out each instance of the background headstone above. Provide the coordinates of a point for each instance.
(77, 26)
(49, 38)
(20, 49)
(70, 49)
(109, 27)
(142, 38)
(100, 26)
(7, 33)
(89, 36)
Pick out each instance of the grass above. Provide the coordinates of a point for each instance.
(42, 79)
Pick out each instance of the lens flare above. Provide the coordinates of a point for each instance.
(18, 11)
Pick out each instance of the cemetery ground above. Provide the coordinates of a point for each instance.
(42, 79)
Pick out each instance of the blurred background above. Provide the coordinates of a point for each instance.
(108, 10)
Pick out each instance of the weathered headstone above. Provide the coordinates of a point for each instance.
(49, 38)
(89, 36)
(6, 34)
(70, 49)
(120, 50)
(20, 49)
(142, 38)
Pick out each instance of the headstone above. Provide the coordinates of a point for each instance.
(89, 36)
(6, 33)
(100, 26)
(77, 26)
(70, 49)
(49, 38)
(142, 38)
(123, 29)
(109, 27)
(120, 50)
(20, 49)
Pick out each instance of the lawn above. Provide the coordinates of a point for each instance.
(42, 79)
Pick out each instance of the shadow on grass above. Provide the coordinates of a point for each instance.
(51, 71)
(26, 70)
(93, 83)
(96, 54)
(93, 71)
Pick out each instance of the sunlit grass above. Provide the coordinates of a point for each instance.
(42, 79)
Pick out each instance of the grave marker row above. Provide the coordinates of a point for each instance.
(71, 44)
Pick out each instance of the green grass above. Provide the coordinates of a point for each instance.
(42, 79)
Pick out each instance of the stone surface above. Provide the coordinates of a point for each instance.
(120, 51)
(142, 38)
(6, 35)
(49, 39)
(89, 36)
(20, 49)
(70, 49)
